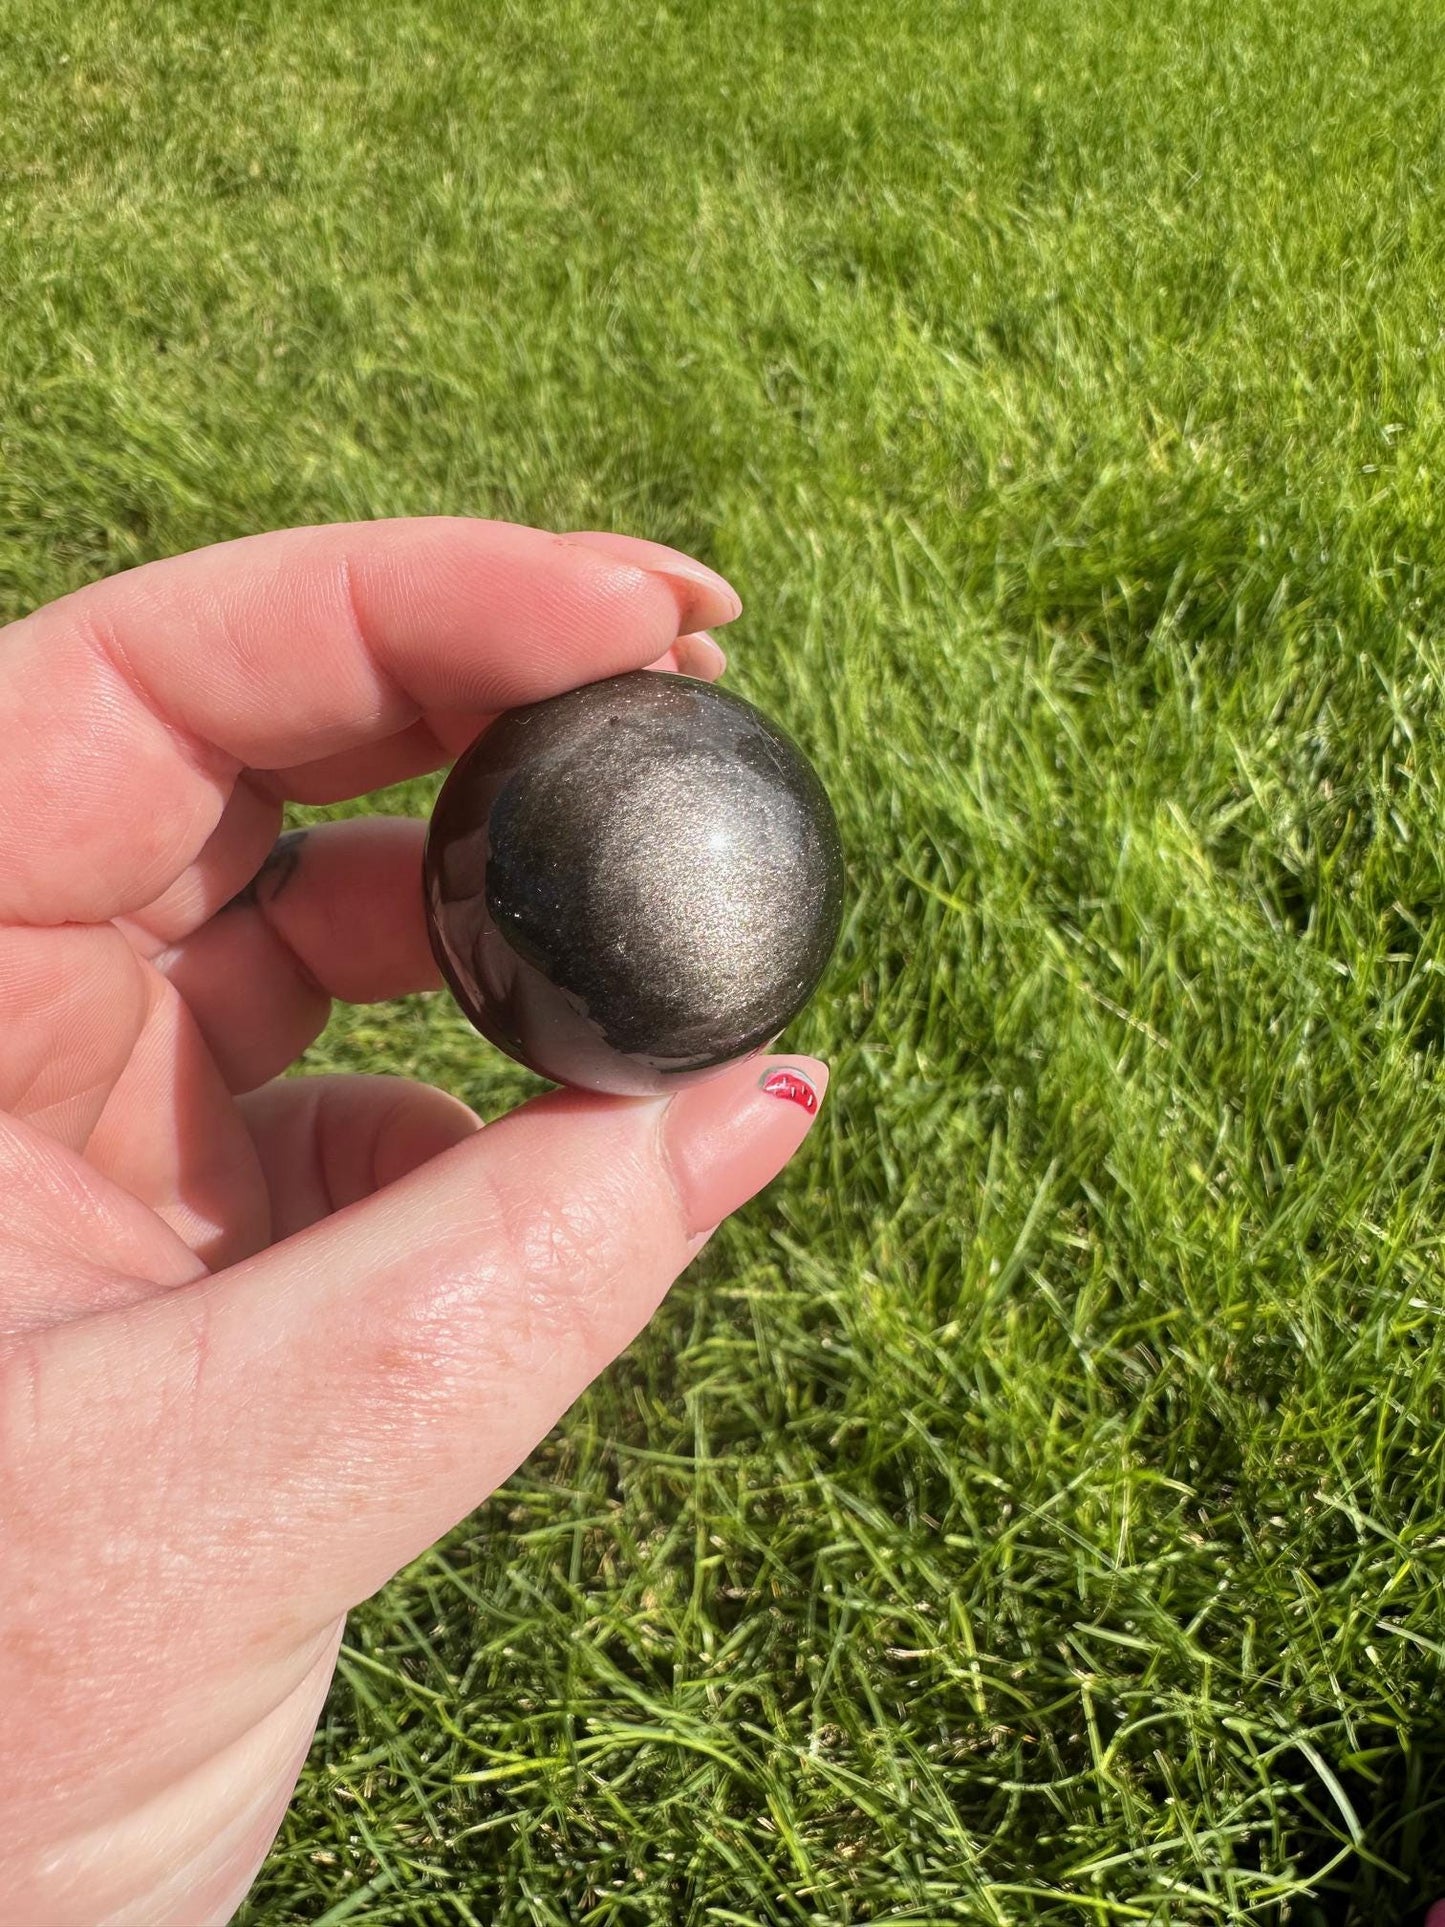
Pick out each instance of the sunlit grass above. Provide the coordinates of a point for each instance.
(1032, 1509)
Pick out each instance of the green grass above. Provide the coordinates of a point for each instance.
(1033, 1509)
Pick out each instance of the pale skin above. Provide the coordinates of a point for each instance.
(264, 1339)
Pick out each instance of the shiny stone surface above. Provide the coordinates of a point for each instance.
(634, 883)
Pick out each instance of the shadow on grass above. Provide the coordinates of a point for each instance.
(1399, 1869)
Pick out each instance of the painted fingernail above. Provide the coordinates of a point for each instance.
(729, 1136)
(793, 1087)
(705, 596)
(699, 656)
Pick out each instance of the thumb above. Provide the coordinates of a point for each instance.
(318, 1415)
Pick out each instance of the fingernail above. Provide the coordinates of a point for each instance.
(730, 1135)
(705, 596)
(699, 656)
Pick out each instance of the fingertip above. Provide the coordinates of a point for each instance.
(695, 655)
(700, 656)
(727, 1137)
(425, 1123)
(703, 596)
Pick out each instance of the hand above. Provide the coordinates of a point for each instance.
(262, 1340)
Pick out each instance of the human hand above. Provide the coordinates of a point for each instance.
(263, 1339)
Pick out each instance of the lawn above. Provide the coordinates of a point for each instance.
(1032, 1509)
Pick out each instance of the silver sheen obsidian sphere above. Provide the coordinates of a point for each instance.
(633, 884)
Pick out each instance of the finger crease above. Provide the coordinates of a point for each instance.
(322, 1152)
(391, 689)
(263, 784)
(294, 957)
(206, 758)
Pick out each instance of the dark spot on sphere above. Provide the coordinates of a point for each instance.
(634, 883)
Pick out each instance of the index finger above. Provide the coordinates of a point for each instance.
(129, 708)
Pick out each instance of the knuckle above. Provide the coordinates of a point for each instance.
(565, 1257)
(539, 1284)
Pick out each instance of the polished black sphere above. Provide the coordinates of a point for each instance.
(632, 884)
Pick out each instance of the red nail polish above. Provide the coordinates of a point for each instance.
(724, 1142)
(793, 1086)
